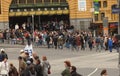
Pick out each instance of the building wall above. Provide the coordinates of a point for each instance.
(4, 18)
(80, 19)
(108, 11)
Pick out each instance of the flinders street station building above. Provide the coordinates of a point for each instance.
(82, 14)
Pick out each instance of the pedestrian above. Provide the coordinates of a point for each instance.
(48, 40)
(39, 68)
(4, 54)
(46, 66)
(66, 71)
(110, 44)
(12, 70)
(29, 48)
(73, 71)
(4, 67)
(104, 72)
(90, 43)
(22, 65)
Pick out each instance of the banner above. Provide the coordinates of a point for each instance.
(39, 12)
(82, 5)
(52, 12)
(96, 6)
(12, 14)
(59, 12)
(18, 13)
(25, 13)
(65, 11)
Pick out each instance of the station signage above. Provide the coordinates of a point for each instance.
(115, 9)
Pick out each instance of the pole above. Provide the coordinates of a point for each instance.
(119, 18)
(119, 34)
(93, 18)
(33, 26)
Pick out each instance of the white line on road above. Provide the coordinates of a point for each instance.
(93, 72)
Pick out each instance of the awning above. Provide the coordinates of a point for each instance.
(47, 12)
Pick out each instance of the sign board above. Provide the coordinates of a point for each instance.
(96, 7)
(115, 9)
(82, 5)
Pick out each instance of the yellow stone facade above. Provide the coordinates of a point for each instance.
(4, 16)
(75, 13)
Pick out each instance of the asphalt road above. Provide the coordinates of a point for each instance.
(88, 63)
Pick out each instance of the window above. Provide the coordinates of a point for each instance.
(38, 1)
(55, 0)
(102, 16)
(14, 1)
(99, 4)
(30, 1)
(104, 3)
(96, 17)
(46, 1)
(22, 1)
(62, 0)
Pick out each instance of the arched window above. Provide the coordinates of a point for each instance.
(102, 15)
(55, 1)
(104, 3)
(22, 1)
(38, 1)
(62, 0)
(46, 1)
(14, 1)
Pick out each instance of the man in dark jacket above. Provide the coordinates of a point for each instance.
(73, 71)
(4, 54)
(39, 68)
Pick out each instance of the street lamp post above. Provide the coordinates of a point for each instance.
(119, 18)
(33, 27)
(119, 33)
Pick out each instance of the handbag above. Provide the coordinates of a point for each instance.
(49, 72)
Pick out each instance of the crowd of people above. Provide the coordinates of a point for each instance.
(53, 35)
(32, 65)
(71, 39)
(29, 65)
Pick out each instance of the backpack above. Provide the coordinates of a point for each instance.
(97, 40)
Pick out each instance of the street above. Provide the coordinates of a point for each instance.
(88, 63)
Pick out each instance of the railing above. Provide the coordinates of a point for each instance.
(38, 5)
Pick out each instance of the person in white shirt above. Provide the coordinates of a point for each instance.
(29, 48)
(4, 67)
(16, 26)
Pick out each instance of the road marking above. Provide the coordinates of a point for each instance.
(93, 72)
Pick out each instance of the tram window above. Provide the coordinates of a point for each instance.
(38, 1)
(22, 1)
(30, 1)
(14, 1)
(55, 0)
(46, 1)
(62, 0)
